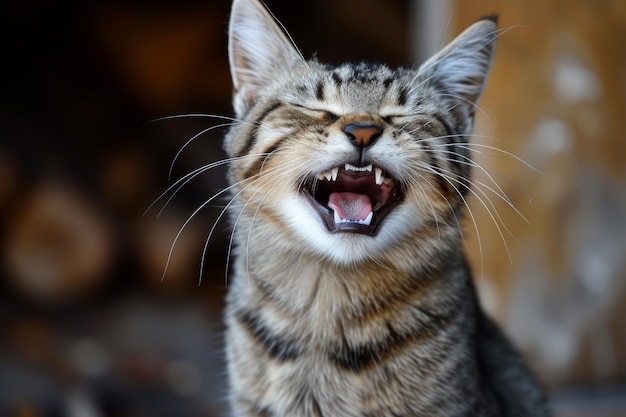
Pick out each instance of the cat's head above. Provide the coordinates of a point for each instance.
(349, 161)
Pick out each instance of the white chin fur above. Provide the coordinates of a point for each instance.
(342, 248)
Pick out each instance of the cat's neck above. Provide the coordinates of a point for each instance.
(299, 282)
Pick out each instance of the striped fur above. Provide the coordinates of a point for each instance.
(358, 321)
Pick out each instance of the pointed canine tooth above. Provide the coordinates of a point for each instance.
(338, 219)
(366, 221)
(379, 175)
(328, 175)
(369, 168)
(334, 173)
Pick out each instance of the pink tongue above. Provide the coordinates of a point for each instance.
(350, 206)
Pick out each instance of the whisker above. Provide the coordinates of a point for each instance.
(256, 178)
(517, 158)
(196, 211)
(449, 179)
(490, 174)
(184, 180)
(469, 162)
(444, 198)
(194, 137)
(478, 185)
(194, 115)
(180, 231)
(430, 169)
(462, 100)
(208, 239)
(280, 169)
(256, 211)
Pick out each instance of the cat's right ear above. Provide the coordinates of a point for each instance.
(258, 51)
(459, 71)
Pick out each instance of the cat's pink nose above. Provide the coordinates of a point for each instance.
(362, 134)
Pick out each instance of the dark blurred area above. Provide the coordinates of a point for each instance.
(90, 324)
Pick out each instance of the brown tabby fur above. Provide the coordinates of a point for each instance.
(358, 322)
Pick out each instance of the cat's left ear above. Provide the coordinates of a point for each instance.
(459, 71)
(258, 51)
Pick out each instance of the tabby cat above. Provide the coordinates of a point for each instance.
(350, 293)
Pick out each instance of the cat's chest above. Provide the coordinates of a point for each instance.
(330, 348)
(313, 386)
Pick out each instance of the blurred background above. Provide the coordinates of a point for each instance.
(89, 324)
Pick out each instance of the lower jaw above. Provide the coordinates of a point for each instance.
(352, 228)
(327, 216)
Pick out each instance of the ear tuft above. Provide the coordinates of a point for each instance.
(494, 17)
(258, 51)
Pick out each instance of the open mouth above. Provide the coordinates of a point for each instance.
(353, 199)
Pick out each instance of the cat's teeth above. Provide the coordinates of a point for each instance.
(332, 174)
(366, 221)
(349, 167)
(337, 218)
(379, 175)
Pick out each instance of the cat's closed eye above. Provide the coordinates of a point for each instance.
(330, 117)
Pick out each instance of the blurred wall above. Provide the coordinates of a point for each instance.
(89, 326)
(555, 273)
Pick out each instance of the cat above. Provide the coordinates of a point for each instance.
(350, 294)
